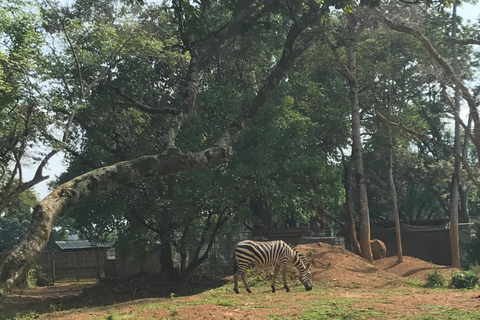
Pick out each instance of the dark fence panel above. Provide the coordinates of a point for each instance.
(73, 265)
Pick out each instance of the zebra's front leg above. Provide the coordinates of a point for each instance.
(284, 275)
(275, 273)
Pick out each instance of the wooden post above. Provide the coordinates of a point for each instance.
(53, 267)
(97, 256)
(78, 265)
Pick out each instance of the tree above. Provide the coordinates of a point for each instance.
(454, 202)
(355, 25)
(172, 161)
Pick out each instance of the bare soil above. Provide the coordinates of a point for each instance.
(337, 273)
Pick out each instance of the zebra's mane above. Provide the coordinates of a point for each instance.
(301, 256)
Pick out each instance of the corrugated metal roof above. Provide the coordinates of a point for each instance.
(79, 244)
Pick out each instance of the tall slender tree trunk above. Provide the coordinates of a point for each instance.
(463, 215)
(454, 203)
(393, 191)
(349, 208)
(366, 250)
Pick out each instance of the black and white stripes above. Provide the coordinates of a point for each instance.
(266, 254)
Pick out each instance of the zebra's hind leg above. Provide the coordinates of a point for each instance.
(245, 283)
(275, 273)
(235, 280)
(284, 276)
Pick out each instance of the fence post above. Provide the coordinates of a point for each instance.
(53, 267)
(78, 265)
(98, 263)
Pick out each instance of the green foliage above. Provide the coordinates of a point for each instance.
(42, 279)
(32, 315)
(475, 268)
(435, 280)
(464, 280)
(16, 219)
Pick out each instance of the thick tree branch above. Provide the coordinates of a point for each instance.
(461, 41)
(455, 114)
(142, 107)
(292, 49)
(342, 66)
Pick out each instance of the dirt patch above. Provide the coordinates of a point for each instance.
(413, 268)
(338, 265)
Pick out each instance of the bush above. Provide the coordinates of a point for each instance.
(475, 268)
(435, 280)
(464, 280)
(42, 279)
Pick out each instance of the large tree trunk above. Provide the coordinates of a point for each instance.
(168, 272)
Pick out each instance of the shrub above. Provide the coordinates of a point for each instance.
(42, 279)
(464, 280)
(475, 268)
(435, 280)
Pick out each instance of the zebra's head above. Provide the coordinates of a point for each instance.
(306, 275)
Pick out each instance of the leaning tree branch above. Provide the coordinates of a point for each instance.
(292, 49)
(341, 65)
(455, 114)
(461, 41)
(142, 107)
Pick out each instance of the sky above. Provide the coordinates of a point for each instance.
(56, 165)
(469, 11)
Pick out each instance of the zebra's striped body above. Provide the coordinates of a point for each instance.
(267, 254)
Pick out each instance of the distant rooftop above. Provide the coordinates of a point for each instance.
(80, 244)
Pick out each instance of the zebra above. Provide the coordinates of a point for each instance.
(271, 253)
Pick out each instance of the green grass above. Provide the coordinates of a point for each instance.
(444, 313)
(339, 313)
(338, 309)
